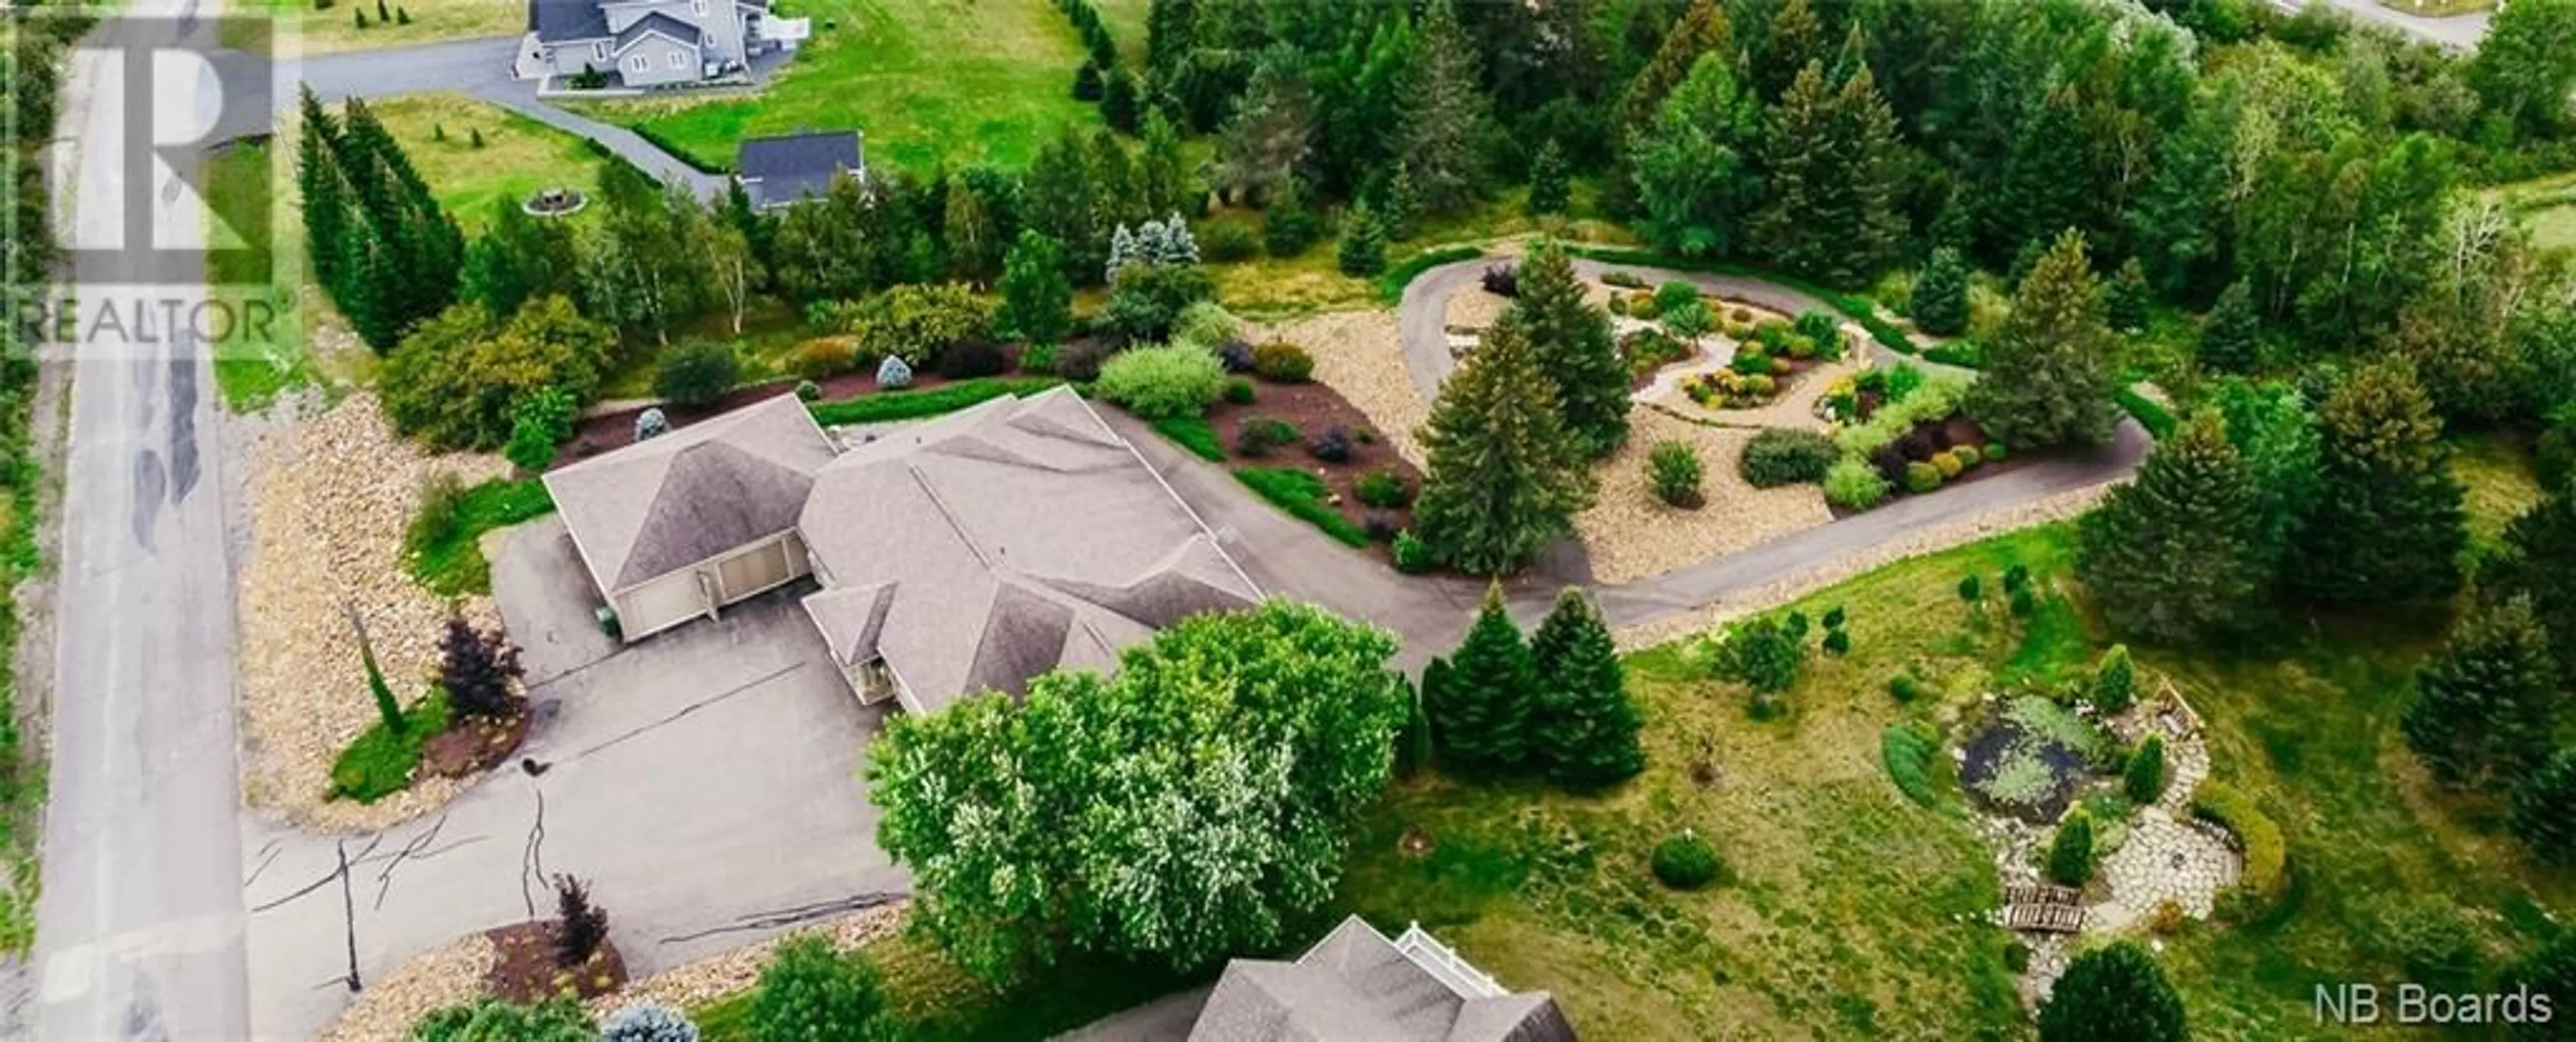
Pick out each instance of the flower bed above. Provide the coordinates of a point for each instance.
(1315, 455)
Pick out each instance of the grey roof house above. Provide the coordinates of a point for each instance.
(958, 555)
(1357, 985)
(651, 43)
(782, 171)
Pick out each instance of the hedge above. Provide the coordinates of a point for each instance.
(1390, 286)
(2150, 414)
(654, 138)
(1853, 306)
(889, 406)
(1909, 751)
(1302, 496)
(2266, 856)
(1194, 434)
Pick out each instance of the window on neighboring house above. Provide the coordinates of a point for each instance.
(599, 50)
(639, 63)
(679, 60)
(699, 6)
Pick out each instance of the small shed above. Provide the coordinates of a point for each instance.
(783, 171)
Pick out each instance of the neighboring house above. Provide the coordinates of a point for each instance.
(1357, 984)
(652, 43)
(779, 172)
(958, 555)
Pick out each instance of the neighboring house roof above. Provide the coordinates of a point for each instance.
(661, 24)
(684, 497)
(788, 168)
(1357, 984)
(976, 551)
(556, 21)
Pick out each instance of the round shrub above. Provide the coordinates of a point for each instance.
(1905, 688)
(2017, 957)
(1779, 456)
(1412, 555)
(1922, 477)
(1261, 435)
(651, 424)
(914, 322)
(967, 359)
(647, 1022)
(697, 372)
(1750, 361)
(1331, 446)
(1038, 358)
(1838, 642)
(1760, 385)
(1852, 484)
(1948, 464)
(1673, 472)
(2113, 993)
(2544, 810)
(1383, 489)
(1282, 362)
(1968, 456)
(1672, 295)
(1162, 382)
(1616, 306)
(1239, 391)
(808, 391)
(1685, 861)
(893, 374)
(1236, 355)
(1205, 325)
(1994, 452)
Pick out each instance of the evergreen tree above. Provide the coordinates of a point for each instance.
(1575, 348)
(1122, 99)
(2048, 184)
(2229, 337)
(1583, 716)
(2144, 777)
(1702, 32)
(2113, 994)
(2526, 66)
(2125, 298)
(1162, 177)
(1291, 224)
(1548, 188)
(2544, 809)
(2055, 355)
(1831, 184)
(2487, 705)
(1060, 201)
(318, 180)
(1691, 164)
(1270, 136)
(1792, 41)
(2171, 555)
(1939, 304)
(1443, 114)
(2070, 851)
(2539, 563)
(1480, 710)
(1363, 248)
(2388, 523)
(1037, 301)
(1505, 477)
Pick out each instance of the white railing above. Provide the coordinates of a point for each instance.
(1443, 962)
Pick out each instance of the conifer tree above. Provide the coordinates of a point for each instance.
(2388, 524)
(1703, 30)
(2172, 554)
(2113, 994)
(1480, 710)
(2487, 705)
(2047, 184)
(2540, 563)
(1587, 727)
(317, 179)
(1443, 114)
(1363, 248)
(1506, 477)
(2054, 355)
(1832, 191)
(2544, 809)
(1793, 41)
(1574, 345)
(1162, 177)
(2125, 298)
(2228, 337)
(1548, 188)
(1939, 304)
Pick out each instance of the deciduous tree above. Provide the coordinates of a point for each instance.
(1037, 300)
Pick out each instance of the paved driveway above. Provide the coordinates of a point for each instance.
(705, 781)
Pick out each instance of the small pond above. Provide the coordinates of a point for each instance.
(2030, 759)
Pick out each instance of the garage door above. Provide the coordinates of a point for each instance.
(754, 570)
(660, 604)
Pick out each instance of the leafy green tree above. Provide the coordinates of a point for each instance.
(2070, 852)
(1037, 300)
(2144, 777)
(1443, 114)
(2539, 563)
(1575, 348)
(2173, 555)
(2275, 431)
(518, 258)
(1060, 198)
(2053, 358)
(2388, 523)
(810, 993)
(2181, 225)
(697, 372)
(1586, 726)
(2113, 994)
(1691, 162)
(1482, 707)
(498, 1020)
(1506, 477)
(454, 381)
(1244, 747)
(2487, 705)
(2230, 337)
(2544, 809)
(539, 420)
(1763, 653)
(1939, 304)
(1548, 187)
(2048, 185)
(2526, 66)
(971, 224)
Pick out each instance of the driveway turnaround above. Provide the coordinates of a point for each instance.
(705, 781)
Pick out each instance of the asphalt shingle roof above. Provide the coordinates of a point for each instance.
(657, 22)
(669, 502)
(555, 21)
(790, 167)
(1356, 984)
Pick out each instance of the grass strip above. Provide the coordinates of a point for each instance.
(1192, 433)
(1302, 496)
(2151, 414)
(380, 762)
(890, 406)
(1390, 286)
(443, 548)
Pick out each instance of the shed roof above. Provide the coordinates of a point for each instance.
(789, 167)
(669, 502)
(555, 21)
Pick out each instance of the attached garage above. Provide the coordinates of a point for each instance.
(676, 527)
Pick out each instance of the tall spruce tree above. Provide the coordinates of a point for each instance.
(1832, 185)
(2047, 185)
(2171, 555)
(2388, 524)
(1506, 477)
(2487, 705)
(2229, 336)
(1444, 114)
(1793, 40)
(1702, 31)
(1585, 726)
(1037, 301)
(1480, 709)
(2540, 563)
(325, 194)
(1548, 188)
(2126, 296)
(1575, 348)
(2054, 358)
(1939, 304)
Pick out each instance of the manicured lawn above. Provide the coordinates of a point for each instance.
(245, 191)
(443, 547)
(1302, 496)
(2549, 203)
(518, 158)
(380, 762)
(938, 1002)
(315, 31)
(2438, 8)
(890, 406)
(964, 81)
(2500, 480)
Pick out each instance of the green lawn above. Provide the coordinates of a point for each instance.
(2549, 203)
(960, 81)
(245, 191)
(443, 547)
(313, 30)
(518, 157)
(1267, 288)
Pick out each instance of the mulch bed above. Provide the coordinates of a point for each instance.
(471, 746)
(1315, 408)
(524, 969)
(1951, 433)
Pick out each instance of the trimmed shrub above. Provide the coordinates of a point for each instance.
(2115, 680)
(1239, 391)
(1379, 525)
(893, 374)
(1995, 452)
(1972, 589)
(825, 357)
(651, 424)
(1282, 362)
(1903, 687)
(2144, 778)
(2113, 994)
(1673, 295)
(1412, 555)
(968, 359)
(913, 322)
(2266, 856)
(1852, 484)
(1910, 753)
(1779, 456)
(1623, 278)
(809, 991)
(1225, 242)
(1673, 472)
(2070, 852)
(697, 372)
(1835, 617)
(1261, 435)
(808, 391)
(1922, 477)
(1383, 489)
(1331, 446)
(2023, 604)
(1206, 325)
(1837, 642)
(2017, 957)
(1235, 355)
(1968, 456)
(647, 1022)
(1162, 382)
(1685, 861)
(1948, 464)
(1763, 653)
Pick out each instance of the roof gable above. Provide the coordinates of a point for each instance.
(669, 502)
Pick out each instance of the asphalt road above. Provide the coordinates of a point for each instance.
(2459, 34)
(140, 926)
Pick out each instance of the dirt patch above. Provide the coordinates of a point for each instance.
(524, 967)
(330, 498)
(433, 980)
(1360, 354)
(471, 746)
(1629, 534)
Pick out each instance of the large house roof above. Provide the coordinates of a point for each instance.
(555, 21)
(790, 167)
(976, 551)
(1357, 984)
(669, 502)
(664, 24)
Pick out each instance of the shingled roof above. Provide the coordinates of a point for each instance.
(792, 167)
(976, 551)
(1357, 984)
(679, 499)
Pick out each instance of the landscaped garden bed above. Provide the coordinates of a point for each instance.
(1309, 451)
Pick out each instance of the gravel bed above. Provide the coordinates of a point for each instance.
(330, 498)
(708, 979)
(1629, 534)
(1361, 354)
(2054, 508)
(432, 980)
(1473, 308)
